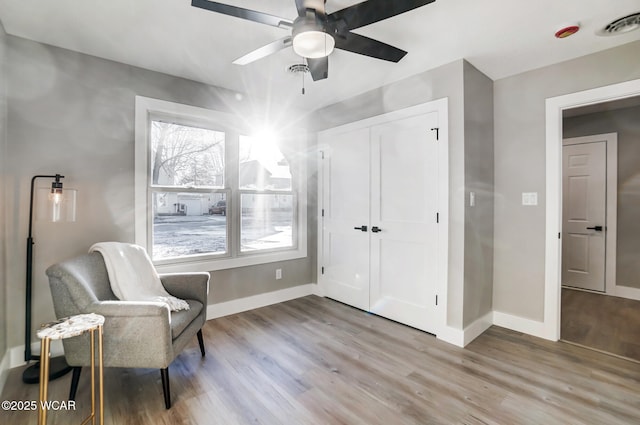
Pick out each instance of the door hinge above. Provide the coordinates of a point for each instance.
(437, 130)
(558, 235)
(322, 270)
(436, 300)
(322, 154)
(323, 212)
(437, 217)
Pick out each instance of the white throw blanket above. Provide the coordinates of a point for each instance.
(133, 276)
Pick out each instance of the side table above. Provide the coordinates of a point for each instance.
(67, 328)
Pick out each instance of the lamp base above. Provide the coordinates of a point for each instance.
(57, 367)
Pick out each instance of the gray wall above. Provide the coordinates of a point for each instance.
(478, 178)
(3, 205)
(73, 114)
(625, 122)
(519, 112)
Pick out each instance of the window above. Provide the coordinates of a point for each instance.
(266, 198)
(209, 197)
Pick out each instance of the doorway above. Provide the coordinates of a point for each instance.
(594, 313)
(555, 107)
(592, 318)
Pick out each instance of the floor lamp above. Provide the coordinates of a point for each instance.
(61, 207)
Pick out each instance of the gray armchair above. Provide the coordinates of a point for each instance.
(136, 334)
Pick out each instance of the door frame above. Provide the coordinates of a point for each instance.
(441, 107)
(611, 203)
(553, 222)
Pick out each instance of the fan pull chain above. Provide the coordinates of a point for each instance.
(302, 82)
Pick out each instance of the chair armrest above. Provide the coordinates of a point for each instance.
(136, 334)
(130, 309)
(192, 286)
(127, 318)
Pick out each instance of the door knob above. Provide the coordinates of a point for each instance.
(376, 229)
(596, 228)
(362, 228)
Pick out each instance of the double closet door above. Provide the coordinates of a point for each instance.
(380, 219)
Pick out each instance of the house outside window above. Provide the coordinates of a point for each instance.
(208, 196)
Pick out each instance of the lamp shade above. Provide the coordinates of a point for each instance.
(56, 206)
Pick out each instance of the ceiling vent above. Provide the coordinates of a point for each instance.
(298, 68)
(621, 25)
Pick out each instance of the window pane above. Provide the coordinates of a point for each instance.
(186, 156)
(262, 165)
(188, 224)
(267, 221)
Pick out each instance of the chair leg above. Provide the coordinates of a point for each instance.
(165, 387)
(201, 342)
(75, 378)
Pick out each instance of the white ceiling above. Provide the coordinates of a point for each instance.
(499, 37)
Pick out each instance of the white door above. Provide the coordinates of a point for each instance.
(379, 230)
(584, 213)
(403, 211)
(345, 229)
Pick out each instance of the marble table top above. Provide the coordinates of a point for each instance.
(70, 326)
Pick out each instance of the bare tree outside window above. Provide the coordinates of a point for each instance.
(186, 156)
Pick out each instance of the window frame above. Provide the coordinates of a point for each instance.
(147, 109)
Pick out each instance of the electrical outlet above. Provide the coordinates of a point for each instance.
(278, 274)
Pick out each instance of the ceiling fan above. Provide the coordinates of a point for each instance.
(314, 34)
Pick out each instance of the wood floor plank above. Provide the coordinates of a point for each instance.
(603, 322)
(316, 361)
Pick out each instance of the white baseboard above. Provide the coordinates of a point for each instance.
(261, 300)
(521, 324)
(4, 370)
(451, 335)
(462, 337)
(16, 354)
(625, 292)
(476, 328)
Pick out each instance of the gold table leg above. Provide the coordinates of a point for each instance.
(100, 372)
(44, 380)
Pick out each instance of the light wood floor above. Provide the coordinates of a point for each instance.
(603, 322)
(316, 361)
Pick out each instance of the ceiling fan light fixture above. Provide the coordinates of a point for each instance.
(313, 44)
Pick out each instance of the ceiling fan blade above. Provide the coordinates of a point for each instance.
(319, 68)
(239, 12)
(362, 45)
(264, 51)
(371, 11)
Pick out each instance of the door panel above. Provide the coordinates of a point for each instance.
(584, 207)
(404, 185)
(346, 205)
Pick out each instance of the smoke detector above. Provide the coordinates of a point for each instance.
(567, 30)
(621, 25)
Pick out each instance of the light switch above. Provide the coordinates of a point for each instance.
(529, 198)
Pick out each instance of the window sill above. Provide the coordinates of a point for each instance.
(209, 265)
